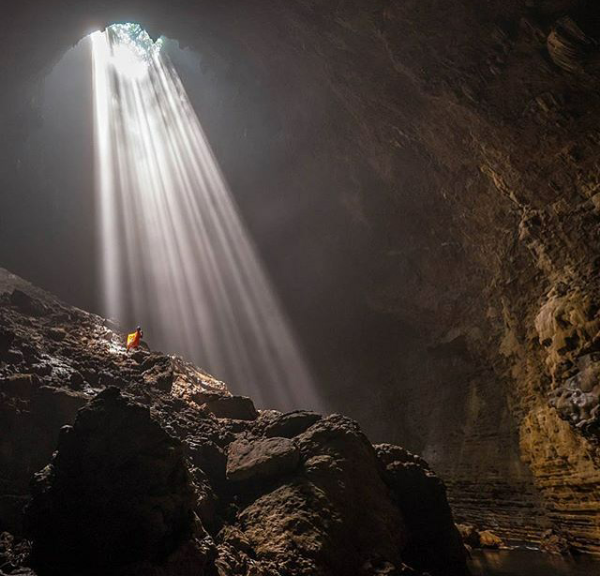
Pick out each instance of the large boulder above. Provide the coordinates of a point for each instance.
(231, 407)
(116, 493)
(261, 458)
(476, 539)
(294, 530)
(336, 515)
(291, 424)
(434, 543)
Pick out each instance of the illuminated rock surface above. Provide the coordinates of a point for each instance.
(149, 478)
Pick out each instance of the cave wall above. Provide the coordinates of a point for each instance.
(430, 172)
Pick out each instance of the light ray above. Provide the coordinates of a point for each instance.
(176, 256)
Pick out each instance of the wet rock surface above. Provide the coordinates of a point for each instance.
(118, 471)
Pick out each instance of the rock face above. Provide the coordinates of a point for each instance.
(149, 477)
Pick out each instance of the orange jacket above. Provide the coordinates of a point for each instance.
(133, 340)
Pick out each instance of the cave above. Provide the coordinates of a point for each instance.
(420, 184)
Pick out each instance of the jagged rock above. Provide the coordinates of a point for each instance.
(232, 407)
(434, 544)
(261, 459)
(296, 530)
(159, 375)
(117, 492)
(335, 515)
(343, 471)
(291, 424)
(57, 333)
(568, 327)
(577, 400)
(6, 340)
(208, 456)
(20, 385)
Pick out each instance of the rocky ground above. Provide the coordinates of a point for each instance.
(143, 464)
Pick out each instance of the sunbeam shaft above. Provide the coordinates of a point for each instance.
(176, 256)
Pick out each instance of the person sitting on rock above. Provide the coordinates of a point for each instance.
(133, 339)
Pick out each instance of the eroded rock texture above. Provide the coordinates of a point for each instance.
(431, 176)
(139, 463)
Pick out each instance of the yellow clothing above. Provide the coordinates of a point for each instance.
(133, 340)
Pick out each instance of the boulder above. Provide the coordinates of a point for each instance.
(469, 535)
(31, 417)
(434, 543)
(261, 459)
(205, 454)
(116, 493)
(335, 516)
(232, 407)
(291, 424)
(476, 539)
(293, 530)
(490, 540)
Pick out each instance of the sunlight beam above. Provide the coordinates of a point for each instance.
(176, 256)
